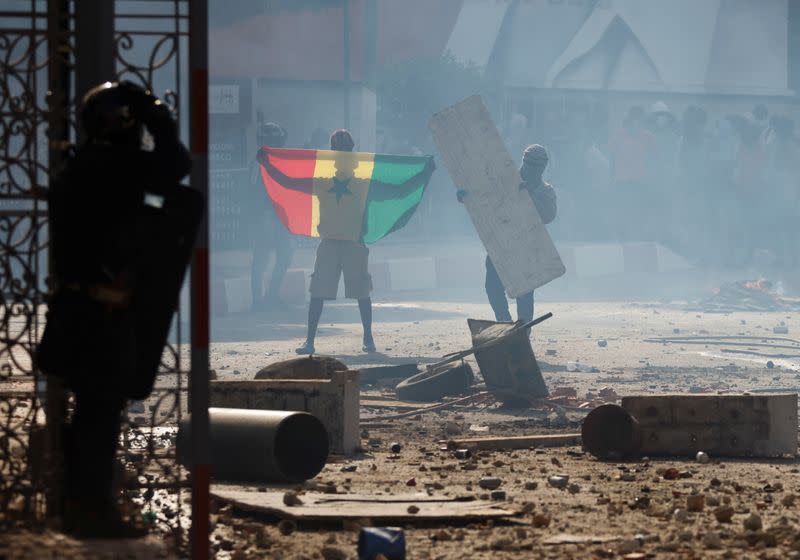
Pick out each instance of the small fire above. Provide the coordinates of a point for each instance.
(762, 285)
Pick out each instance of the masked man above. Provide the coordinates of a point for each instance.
(534, 162)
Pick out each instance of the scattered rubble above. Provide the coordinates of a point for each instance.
(489, 483)
(752, 522)
(653, 506)
(558, 481)
(695, 502)
(724, 514)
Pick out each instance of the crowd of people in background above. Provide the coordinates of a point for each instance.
(719, 191)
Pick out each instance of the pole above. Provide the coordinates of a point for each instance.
(94, 44)
(58, 75)
(198, 379)
(346, 61)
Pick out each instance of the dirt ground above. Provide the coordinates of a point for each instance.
(423, 332)
(635, 509)
(632, 509)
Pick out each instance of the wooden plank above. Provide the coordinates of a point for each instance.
(519, 442)
(388, 404)
(567, 538)
(505, 217)
(329, 507)
(721, 425)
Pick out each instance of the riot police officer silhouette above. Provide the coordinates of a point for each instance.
(121, 230)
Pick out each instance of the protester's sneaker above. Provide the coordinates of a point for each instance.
(306, 348)
(369, 346)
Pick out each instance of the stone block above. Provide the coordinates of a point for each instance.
(763, 425)
(334, 401)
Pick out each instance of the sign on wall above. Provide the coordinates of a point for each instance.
(230, 116)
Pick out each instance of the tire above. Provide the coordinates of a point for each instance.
(432, 386)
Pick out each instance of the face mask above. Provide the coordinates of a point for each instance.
(531, 172)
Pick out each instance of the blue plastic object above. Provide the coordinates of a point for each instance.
(388, 541)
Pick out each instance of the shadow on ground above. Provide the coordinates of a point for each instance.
(383, 359)
(291, 323)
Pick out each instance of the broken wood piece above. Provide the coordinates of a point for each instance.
(519, 442)
(566, 538)
(477, 396)
(370, 402)
(334, 507)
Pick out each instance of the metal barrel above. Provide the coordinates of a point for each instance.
(609, 431)
(260, 445)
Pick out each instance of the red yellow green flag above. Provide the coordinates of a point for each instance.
(354, 196)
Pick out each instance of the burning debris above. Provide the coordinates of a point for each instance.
(748, 295)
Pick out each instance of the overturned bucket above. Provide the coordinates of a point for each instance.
(609, 431)
(260, 445)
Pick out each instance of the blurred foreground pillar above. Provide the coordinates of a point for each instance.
(198, 380)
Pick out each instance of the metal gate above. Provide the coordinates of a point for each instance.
(50, 52)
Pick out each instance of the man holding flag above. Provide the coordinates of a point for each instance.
(348, 199)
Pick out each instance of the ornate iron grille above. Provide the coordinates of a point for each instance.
(151, 45)
(24, 160)
(151, 48)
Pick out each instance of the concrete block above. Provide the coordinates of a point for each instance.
(334, 401)
(721, 425)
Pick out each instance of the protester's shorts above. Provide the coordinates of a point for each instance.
(335, 258)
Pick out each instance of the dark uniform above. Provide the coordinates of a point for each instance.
(534, 161)
(99, 242)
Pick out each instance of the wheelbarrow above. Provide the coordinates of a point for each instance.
(505, 358)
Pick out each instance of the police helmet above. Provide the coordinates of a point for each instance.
(114, 112)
